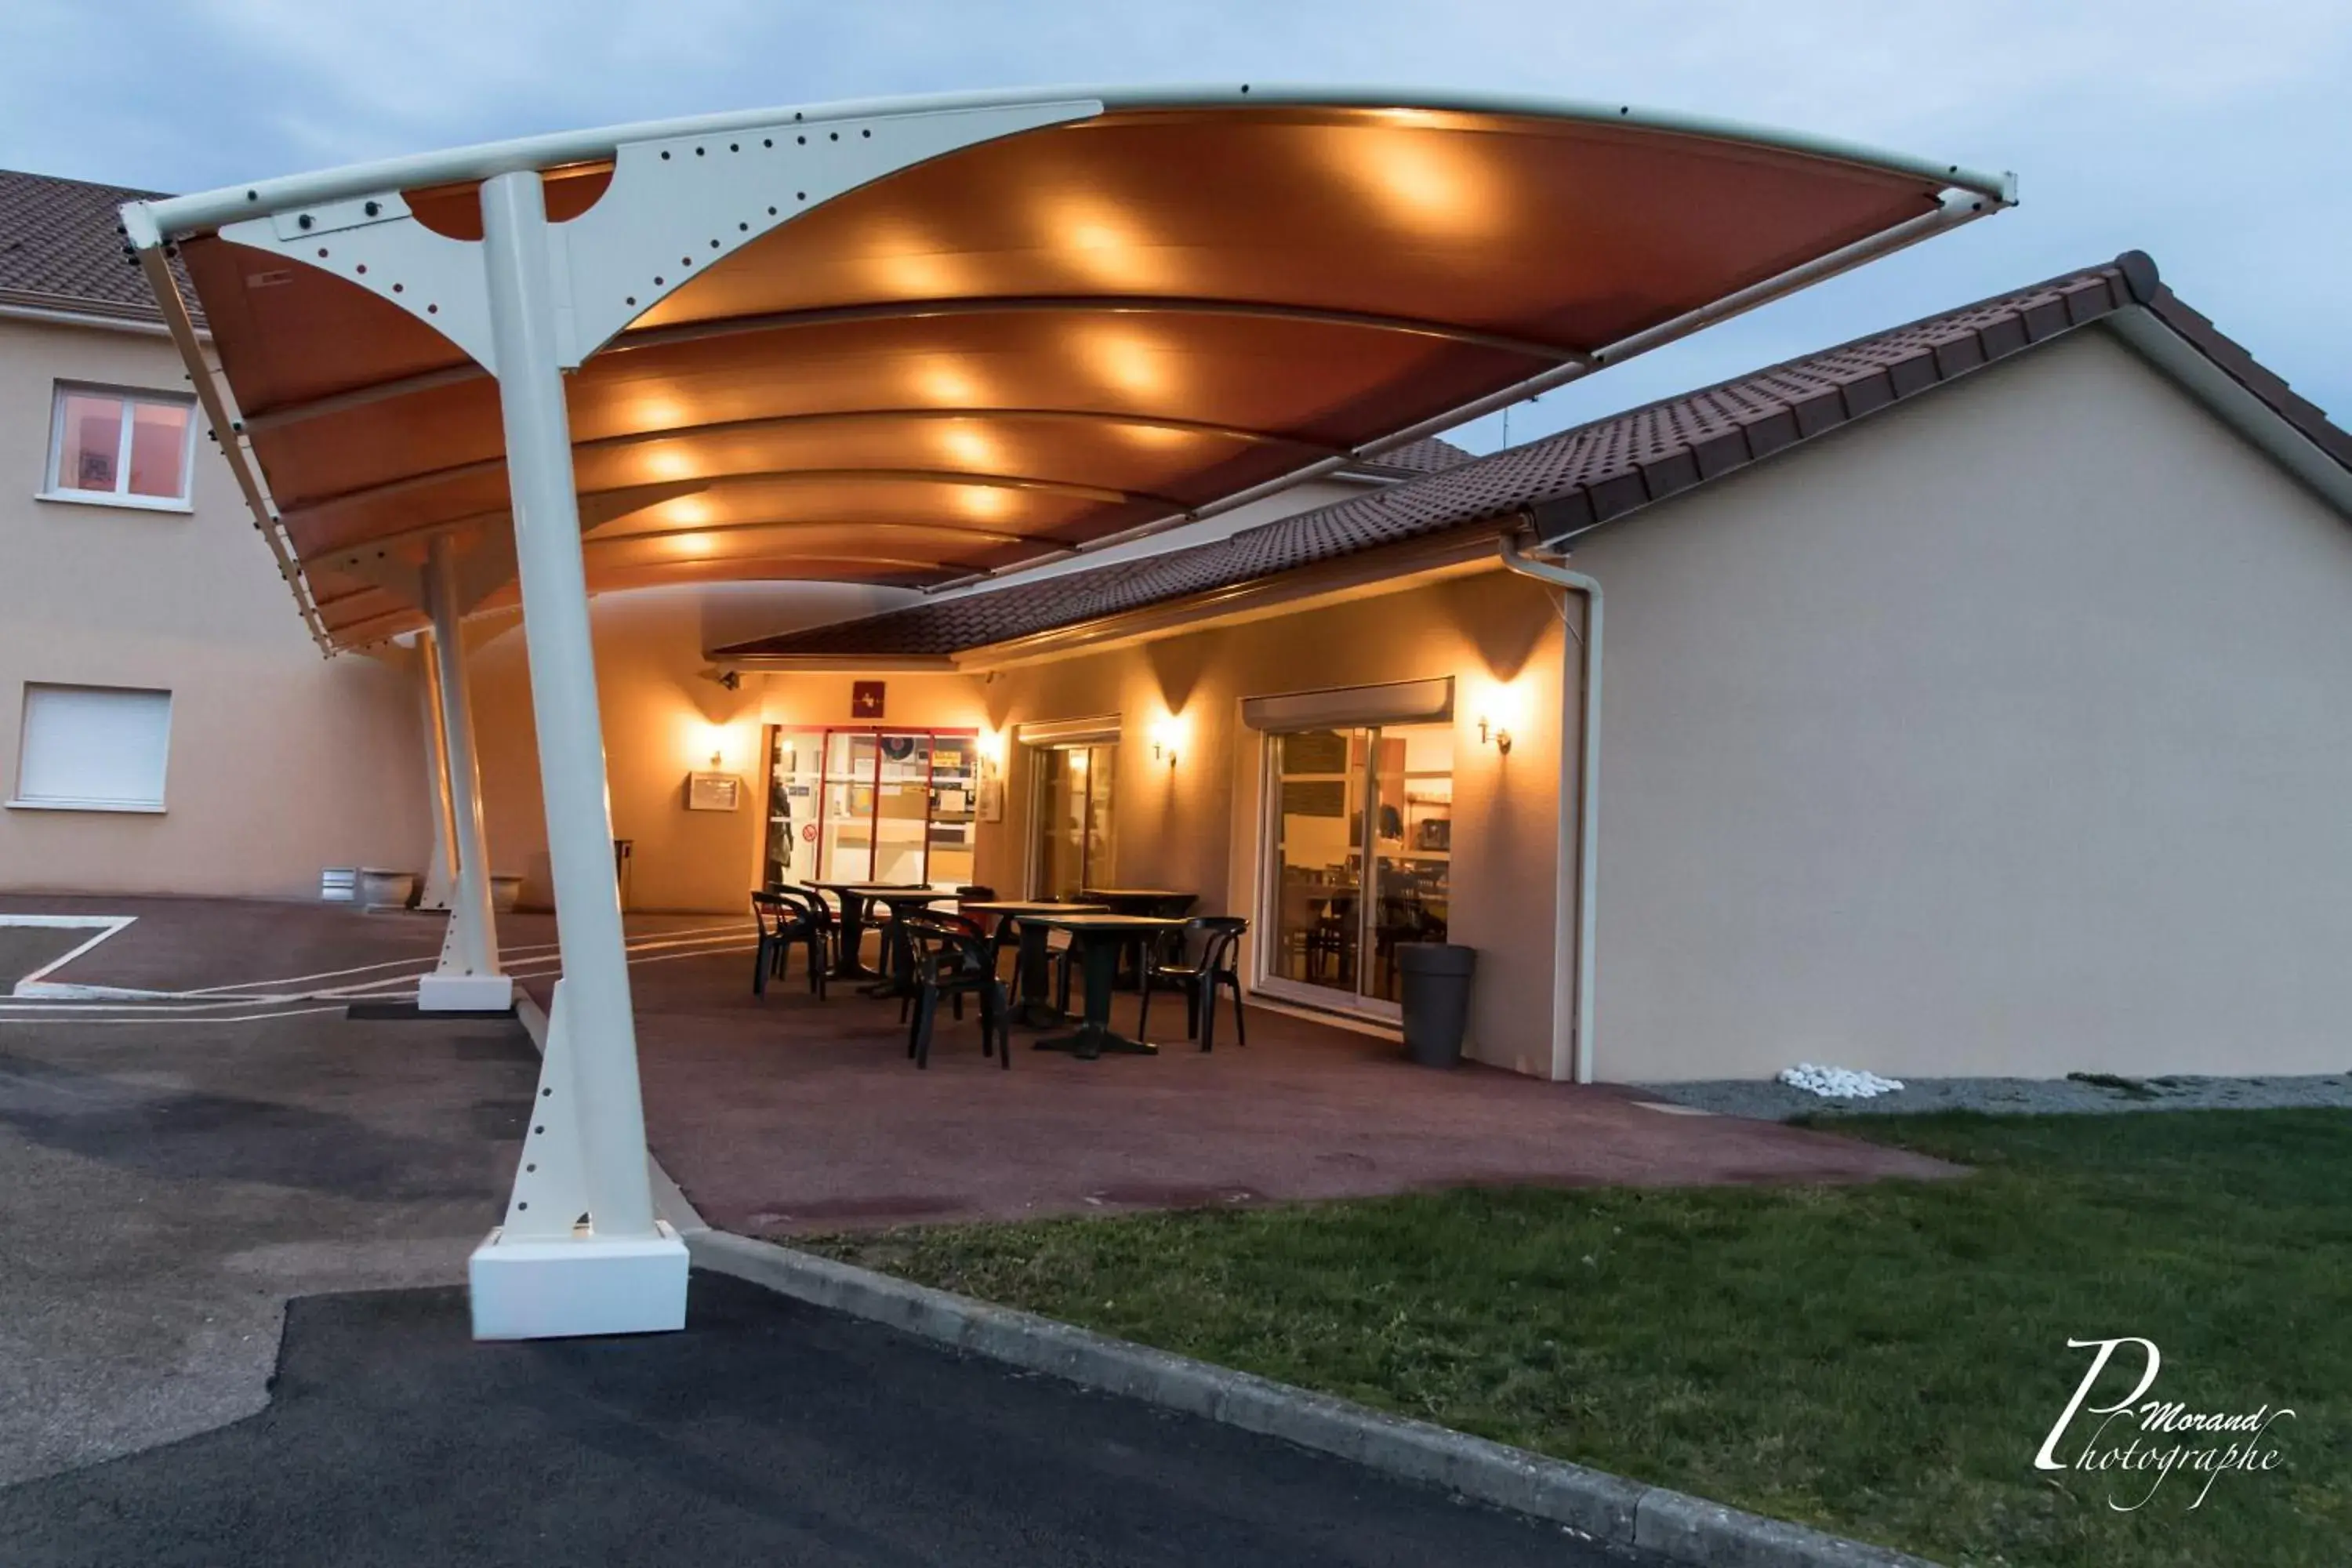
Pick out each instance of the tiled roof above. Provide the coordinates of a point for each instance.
(60, 249)
(1581, 478)
(1430, 455)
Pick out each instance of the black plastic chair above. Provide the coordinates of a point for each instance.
(950, 958)
(953, 919)
(819, 911)
(785, 921)
(1218, 967)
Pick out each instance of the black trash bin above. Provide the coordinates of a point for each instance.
(1436, 999)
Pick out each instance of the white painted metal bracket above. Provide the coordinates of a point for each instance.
(677, 205)
(680, 203)
(377, 243)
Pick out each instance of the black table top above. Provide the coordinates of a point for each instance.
(1136, 893)
(905, 891)
(1032, 907)
(1081, 923)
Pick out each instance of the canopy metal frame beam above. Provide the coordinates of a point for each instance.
(809, 525)
(310, 510)
(642, 338)
(1095, 304)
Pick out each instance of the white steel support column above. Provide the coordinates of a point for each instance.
(581, 1252)
(467, 978)
(441, 870)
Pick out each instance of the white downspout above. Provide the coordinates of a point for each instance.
(1575, 909)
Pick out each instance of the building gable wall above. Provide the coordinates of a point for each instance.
(2009, 731)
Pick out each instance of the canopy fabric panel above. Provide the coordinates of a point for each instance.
(1031, 344)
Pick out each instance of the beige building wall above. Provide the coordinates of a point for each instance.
(1197, 824)
(2007, 732)
(665, 714)
(281, 762)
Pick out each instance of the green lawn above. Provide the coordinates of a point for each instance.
(1880, 1361)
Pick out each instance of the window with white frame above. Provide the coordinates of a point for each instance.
(120, 448)
(93, 748)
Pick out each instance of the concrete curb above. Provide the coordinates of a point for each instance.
(1672, 1525)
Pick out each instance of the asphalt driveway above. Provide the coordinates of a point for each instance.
(767, 1432)
(166, 1186)
(231, 1331)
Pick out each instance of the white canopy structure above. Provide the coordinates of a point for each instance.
(908, 341)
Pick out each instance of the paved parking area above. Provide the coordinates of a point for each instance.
(24, 949)
(166, 1186)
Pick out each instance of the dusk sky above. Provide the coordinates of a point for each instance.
(2214, 137)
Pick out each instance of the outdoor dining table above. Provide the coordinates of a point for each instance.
(1097, 938)
(1166, 903)
(848, 963)
(1033, 962)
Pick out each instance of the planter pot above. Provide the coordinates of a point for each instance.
(386, 890)
(506, 893)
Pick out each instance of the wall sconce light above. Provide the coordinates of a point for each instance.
(1501, 738)
(992, 753)
(713, 741)
(1165, 734)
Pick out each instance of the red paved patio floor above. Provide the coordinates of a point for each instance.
(787, 1114)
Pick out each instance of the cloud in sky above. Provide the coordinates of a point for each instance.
(2211, 136)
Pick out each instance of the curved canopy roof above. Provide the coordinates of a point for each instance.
(1136, 309)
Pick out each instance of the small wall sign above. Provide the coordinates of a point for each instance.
(866, 698)
(713, 792)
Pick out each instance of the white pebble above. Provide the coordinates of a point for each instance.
(1838, 1083)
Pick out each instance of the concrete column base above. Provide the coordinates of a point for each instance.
(465, 993)
(596, 1285)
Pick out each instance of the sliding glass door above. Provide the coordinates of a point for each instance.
(1359, 830)
(1073, 817)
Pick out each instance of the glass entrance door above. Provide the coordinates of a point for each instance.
(873, 805)
(1074, 819)
(1361, 829)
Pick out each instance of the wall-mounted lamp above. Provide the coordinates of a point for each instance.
(1501, 707)
(1165, 734)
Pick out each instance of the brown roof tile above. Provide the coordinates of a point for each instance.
(1579, 479)
(1430, 455)
(60, 249)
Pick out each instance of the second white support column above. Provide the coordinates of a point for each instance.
(467, 978)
